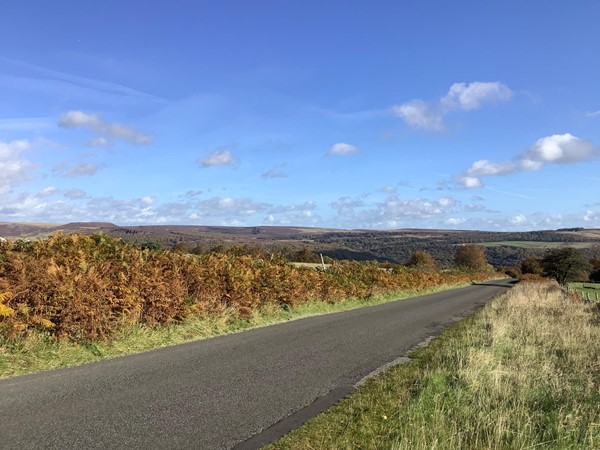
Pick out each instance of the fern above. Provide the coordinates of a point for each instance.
(5, 310)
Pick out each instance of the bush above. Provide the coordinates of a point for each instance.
(471, 257)
(89, 287)
(422, 260)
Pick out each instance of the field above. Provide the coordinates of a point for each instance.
(538, 244)
(590, 291)
(524, 372)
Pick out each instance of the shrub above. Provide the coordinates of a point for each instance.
(89, 287)
(423, 260)
(471, 257)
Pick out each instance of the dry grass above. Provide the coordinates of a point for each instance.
(522, 373)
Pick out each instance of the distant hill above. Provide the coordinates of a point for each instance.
(503, 248)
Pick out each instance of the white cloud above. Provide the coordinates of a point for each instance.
(342, 149)
(346, 205)
(47, 191)
(220, 157)
(429, 116)
(455, 221)
(419, 114)
(80, 119)
(559, 149)
(148, 200)
(13, 168)
(518, 220)
(555, 149)
(483, 167)
(470, 96)
(295, 214)
(391, 212)
(232, 206)
(591, 218)
(14, 148)
(469, 182)
(593, 114)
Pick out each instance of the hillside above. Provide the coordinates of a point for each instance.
(396, 246)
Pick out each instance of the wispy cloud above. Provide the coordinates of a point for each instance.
(99, 142)
(77, 170)
(505, 192)
(220, 157)
(593, 114)
(342, 149)
(555, 149)
(275, 172)
(429, 116)
(93, 122)
(99, 86)
(74, 194)
(420, 114)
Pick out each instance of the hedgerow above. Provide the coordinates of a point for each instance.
(89, 287)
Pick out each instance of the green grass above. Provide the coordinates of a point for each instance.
(522, 373)
(39, 352)
(590, 291)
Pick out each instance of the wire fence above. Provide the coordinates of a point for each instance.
(588, 290)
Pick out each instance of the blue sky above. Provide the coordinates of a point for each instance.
(344, 114)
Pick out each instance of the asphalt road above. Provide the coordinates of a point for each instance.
(222, 392)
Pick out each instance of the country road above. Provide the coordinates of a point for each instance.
(220, 392)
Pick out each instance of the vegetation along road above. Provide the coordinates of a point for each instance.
(241, 390)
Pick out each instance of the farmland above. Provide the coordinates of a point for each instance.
(539, 244)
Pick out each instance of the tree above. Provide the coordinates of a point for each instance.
(532, 264)
(564, 264)
(471, 257)
(151, 245)
(595, 273)
(422, 260)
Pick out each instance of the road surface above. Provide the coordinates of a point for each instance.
(239, 390)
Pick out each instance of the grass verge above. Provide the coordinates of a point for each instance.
(38, 351)
(522, 373)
